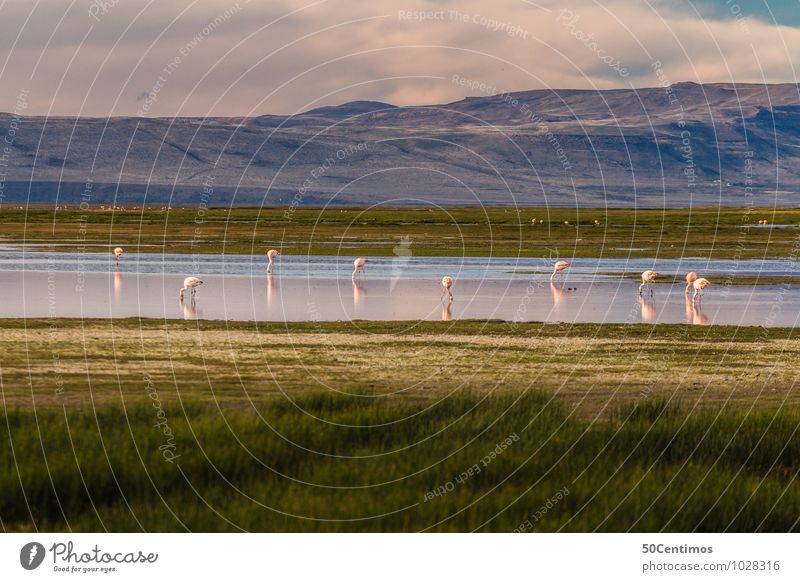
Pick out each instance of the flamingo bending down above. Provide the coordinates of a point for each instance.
(558, 267)
(271, 256)
(190, 283)
(699, 285)
(690, 278)
(647, 281)
(447, 282)
(118, 253)
(358, 264)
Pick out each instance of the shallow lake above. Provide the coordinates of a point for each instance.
(317, 288)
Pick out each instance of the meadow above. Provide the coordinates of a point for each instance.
(136, 425)
(706, 232)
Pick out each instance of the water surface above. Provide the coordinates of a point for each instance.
(316, 288)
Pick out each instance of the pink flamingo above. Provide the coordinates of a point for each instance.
(690, 278)
(647, 281)
(447, 282)
(699, 285)
(118, 252)
(271, 256)
(190, 283)
(358, 264)
(558, 267)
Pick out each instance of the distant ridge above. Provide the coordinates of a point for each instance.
(685, 144)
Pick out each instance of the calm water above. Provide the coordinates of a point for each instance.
(313, 288)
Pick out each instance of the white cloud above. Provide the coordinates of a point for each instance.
(339, 50)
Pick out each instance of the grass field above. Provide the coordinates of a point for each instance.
(713, 233)
(380, 426)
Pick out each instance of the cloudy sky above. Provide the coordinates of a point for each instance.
(217, 57)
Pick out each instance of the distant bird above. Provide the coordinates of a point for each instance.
(533, 221)
(447, 282)
(597, 223)
(690, 278)
(647, 281)
(358, 264)
(191, 283)
(699, 285)
(558, 267)
(566, 222)
(118, 252)
(271, 256)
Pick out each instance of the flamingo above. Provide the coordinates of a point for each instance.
(271, 256)
(447, 282)
(118, 253)
(558, 267)
(690, 278)
(358, 264)
(191, 283)
(647, 281)
(699, 285)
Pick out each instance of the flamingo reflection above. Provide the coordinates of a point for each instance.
(117, 286)
(272, 290)
(359, 293)
(694, 314)
(190, 310)
(559, 296)
(447, 313)
(648, 309)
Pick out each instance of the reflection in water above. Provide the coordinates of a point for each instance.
(117, 286)
(232, 298)
(359, 293)
(648, 309)
(190, 310)
(272, 290)
(447, 313)
(559, 296)
(694, 314)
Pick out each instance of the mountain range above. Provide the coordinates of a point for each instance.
(669, 146)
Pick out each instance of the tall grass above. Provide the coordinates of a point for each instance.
(331, 462)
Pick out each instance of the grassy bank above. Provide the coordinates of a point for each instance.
(381, 426)
(714, 233)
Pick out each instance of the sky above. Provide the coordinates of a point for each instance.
(200, 58)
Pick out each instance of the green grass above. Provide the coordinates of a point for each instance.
(650, 469)
(707, 232)
(705, 439)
